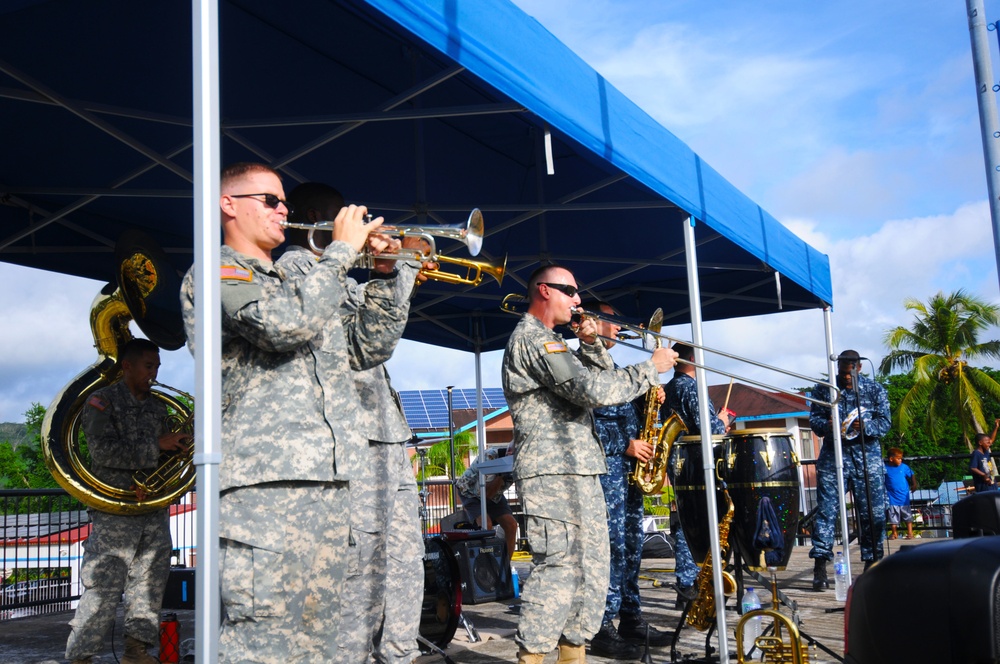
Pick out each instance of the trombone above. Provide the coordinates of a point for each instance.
(510, 302)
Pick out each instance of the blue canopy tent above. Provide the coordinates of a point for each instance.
(421, 110)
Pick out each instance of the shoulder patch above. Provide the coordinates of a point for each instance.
(235, 272)
(555, 347)
(98, 402)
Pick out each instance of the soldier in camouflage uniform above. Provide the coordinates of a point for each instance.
(557, 461)
(386, 541)
(125, 428)
(618, 428)
(290, 435)
(876, 419)
(682, 399)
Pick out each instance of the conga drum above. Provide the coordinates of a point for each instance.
(442, 603)
(763, 464)
(688, 479)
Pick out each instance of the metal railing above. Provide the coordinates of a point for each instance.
(41, 549)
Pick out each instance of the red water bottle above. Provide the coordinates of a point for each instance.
(170, 639)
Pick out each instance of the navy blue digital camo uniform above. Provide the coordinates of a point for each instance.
(682, 399)
(876, 421)
(616, 427)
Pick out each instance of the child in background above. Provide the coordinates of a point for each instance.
(899, 481)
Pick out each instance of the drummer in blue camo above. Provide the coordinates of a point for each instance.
(618, 427)
(876, 419)
(558, 460)
(682, 399)
(290, 434)
(126, 432)
(386, 540)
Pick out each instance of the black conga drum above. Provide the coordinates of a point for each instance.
(442, 603)
(689, 490)
(763, 464)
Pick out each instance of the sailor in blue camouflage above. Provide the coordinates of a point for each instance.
(386, 555)
(618, 428)
(291, 439)
(682, 399)
(126, 430)
(876, 420)
(558, 460)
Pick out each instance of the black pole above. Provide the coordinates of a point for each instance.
(451, 449)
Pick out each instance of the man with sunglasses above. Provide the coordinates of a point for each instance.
(558, 460)
(290, 436)
(386, 537)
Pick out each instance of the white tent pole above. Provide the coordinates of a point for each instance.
(208, 332)
(480, 431)
(838, 450)
(708, 458)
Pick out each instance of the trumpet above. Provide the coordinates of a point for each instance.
(470, 234)
(510, 305)
(474, 271)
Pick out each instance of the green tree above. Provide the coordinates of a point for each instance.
(24, 467)
(438, 456)
(938, 346)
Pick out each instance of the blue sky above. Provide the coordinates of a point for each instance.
(854, 123)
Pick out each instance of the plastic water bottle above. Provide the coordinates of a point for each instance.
(516, 580)
(841, 582)
(751, 629)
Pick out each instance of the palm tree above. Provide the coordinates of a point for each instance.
(939, 345)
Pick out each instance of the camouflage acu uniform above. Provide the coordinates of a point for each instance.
(876, 421)
(123, 553)
(557, 459)
(386, 556)
(290, 443)
(682, 398)
(617, 426)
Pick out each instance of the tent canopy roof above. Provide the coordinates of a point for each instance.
(420, 110)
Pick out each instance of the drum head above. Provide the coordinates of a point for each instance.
(442, 603)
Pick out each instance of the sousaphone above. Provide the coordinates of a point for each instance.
(148, 292)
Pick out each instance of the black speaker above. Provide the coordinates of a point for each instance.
(485, 575)
(180, 589)
(936, 603)
(976, 515)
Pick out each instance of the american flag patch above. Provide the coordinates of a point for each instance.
(236, 272)
(97, 402)
(555, 347)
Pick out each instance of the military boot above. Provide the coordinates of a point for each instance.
(525, 657)
(569, 654)
(135, 653)
(609, 643)
(820, 580)
(634, 631)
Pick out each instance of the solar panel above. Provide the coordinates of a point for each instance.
(428, 409)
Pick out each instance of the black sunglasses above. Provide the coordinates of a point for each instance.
(270, 200)
(564, 288)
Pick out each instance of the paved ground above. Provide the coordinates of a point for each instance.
(41, 639)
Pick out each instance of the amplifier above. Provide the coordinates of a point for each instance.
(936, 603)
(482, 567)
(976, 515)
(180, 589)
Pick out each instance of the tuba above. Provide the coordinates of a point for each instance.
(774, 648)
(148, 292)
(649, 476)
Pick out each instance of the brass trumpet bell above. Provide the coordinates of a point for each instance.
(474, 271)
